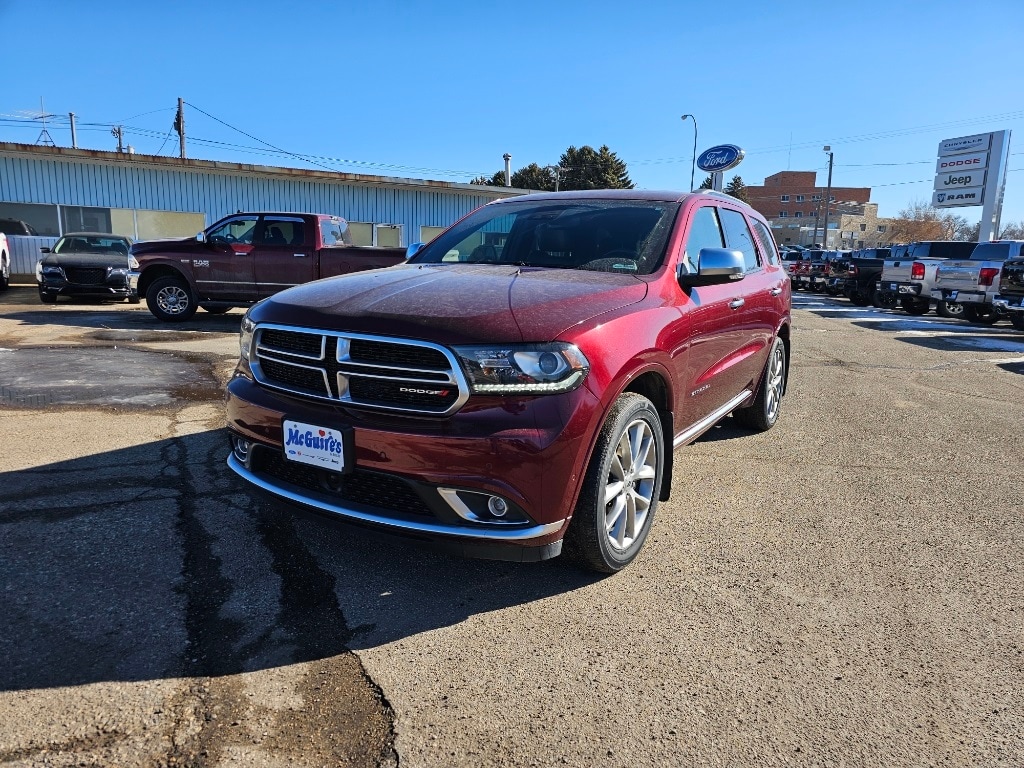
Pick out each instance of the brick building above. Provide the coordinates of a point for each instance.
(797, 194)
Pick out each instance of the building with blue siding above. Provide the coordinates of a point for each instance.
(57, 190)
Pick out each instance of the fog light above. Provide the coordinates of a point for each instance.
(241, 448)
(497, 506)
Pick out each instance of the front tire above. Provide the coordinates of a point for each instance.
(170, 300)
(47, 298)
(762, 414)
(883, 299)
(621, 488)
(5, 272)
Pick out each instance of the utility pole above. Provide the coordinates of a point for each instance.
(74, 134)
(179, 126)
(118, 131)
(693, 162)
(828, 193)
(557, 171)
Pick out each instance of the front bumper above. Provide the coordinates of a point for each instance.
(401, 474)
(111, 289)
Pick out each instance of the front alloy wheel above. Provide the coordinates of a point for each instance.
(170, 300)
(621, 487)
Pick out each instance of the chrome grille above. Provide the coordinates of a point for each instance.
(86, 275)
(398, 375)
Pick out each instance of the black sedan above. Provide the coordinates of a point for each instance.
(92, 264)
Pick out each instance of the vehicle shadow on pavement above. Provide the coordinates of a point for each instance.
(978, 341)
(103, 317)
(153, 561)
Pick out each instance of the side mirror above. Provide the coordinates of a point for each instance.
(413, 249)
(715, 266)
(45, 249)
(201, 237)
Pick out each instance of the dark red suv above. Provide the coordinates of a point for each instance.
(522, 381)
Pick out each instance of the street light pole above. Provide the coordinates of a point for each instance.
(828, 193)
(693, 163)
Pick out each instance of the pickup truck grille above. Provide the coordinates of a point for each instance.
(86, 275)
(397, 375)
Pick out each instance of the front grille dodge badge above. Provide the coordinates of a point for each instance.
(398, 375)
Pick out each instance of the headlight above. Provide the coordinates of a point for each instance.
(245, 337)
(133, 263)
(511, 369)
(39, 271)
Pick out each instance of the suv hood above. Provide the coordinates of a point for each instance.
(454, 304)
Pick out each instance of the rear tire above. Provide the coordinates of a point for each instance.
(621, 488)
(762, 414)
(915, 306)
(883, 299)
(949, 309)
(170, 300)
(47, 298)
(859, 299)
(980, 314)
(1017, 320)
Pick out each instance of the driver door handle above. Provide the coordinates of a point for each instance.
(736, 303)
(776, 290)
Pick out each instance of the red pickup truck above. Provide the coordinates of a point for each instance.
(524, 378)
(247, 257)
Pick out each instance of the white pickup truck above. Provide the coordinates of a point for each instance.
(974, 282)
(910, 277)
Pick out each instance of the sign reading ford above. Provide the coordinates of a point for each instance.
(720, 158)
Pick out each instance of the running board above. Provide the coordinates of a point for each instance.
(710, 420)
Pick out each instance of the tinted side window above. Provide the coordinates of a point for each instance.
(283, 231)
(238, 230)
(705, 232)
(738, 237)
(766, 241)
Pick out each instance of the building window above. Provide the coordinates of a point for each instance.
(881, 227)
(815, 198)
(785, 198)
(783, 214)
(798, 214)
(429, 233)
(799, 198)
(863, 227)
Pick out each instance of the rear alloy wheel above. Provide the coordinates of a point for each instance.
(762, 414)
(980, 314)
(621, 488)
(951, 309)
(859, 299)
(170, 300)
(915, 306)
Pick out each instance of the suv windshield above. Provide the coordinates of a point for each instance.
(600, 235)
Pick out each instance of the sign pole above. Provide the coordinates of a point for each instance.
(995, 186)
(717, 177)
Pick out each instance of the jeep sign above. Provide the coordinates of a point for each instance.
(959, 179)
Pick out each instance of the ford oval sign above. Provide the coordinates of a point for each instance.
(720, 158)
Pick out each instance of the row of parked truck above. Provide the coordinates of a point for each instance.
(979, 282)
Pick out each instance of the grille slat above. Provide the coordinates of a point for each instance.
(369, 371)
(86, 275)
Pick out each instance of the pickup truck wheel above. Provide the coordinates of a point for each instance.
(915, 306)
(883, 299)
(762, 414)
(621, 488)
(980, 315)
(951, 309)
(170, 300)
(1017, 320)
(859, 299)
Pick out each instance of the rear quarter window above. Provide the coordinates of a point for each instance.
(766, 242)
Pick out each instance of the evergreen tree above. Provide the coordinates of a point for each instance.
(534, 177)
(737, 189)
(497, 179)
(587, 168)
(707, 183)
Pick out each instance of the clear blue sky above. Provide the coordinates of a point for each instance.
(441, 90)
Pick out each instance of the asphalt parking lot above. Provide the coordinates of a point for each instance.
(844, 590)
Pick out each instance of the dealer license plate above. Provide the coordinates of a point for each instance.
(312, 444)
(894, 286)
(951, 295)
